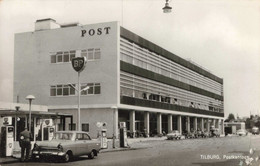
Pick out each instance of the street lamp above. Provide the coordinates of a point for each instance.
(167, 8)
(30, 98)
(114, 125)
(79, 93)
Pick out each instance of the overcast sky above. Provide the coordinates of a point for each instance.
(223, 36)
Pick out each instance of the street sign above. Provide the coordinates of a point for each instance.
(78, 63)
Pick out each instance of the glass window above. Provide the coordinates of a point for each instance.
(91, 88)
(72, 90)
(97, 54)
(59, 58)
(66, 57)
(86, 137)
(97, 89)
(85, 127)
(65, 90)
(59, 90)
(53, 91)
(90, 54)
(73, 126)
(53, 58)
(84, 92)
(84, 53)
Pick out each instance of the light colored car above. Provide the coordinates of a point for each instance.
(67, 144)
(241, 132)
(255, 130)
(175, 134)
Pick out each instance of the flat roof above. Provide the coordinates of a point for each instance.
(33, 113)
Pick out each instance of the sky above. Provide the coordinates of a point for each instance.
(223, 36)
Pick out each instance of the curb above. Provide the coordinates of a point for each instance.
(122, 149)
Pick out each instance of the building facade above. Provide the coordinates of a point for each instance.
(130, 80)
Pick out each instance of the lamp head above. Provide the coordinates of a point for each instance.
(30, 97)
(167, 8)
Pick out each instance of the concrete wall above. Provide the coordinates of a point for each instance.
(33, 72)
(92, 116)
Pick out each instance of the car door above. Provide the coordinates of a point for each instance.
(87, 143)
(80, 144)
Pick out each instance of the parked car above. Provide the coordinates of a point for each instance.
(255, 130)
(175, 134)
(191, 134)
(215, 133)
(241, 132)
(205, 134)
(67, 144)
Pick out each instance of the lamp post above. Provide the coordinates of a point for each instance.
(30, 98)
(114, 126)
(15, 121)
(167, 8)
(79, 93)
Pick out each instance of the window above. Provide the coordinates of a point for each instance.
(85, 127)
(53, 58)
(61, 57)
(97, 88)
(61, 90)
(94, 88)
(73, 126)
(91, 53)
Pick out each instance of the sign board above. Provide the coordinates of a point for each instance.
(7, 120)
(78, 63)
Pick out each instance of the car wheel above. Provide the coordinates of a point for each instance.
(66, 158)
(91, 155)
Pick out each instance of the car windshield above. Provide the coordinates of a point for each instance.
(63, 136)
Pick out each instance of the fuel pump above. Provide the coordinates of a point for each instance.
(104, 139)
(123, 134)
(48, 133)
(7, 140)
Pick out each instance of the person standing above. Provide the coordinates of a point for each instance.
(25, 144)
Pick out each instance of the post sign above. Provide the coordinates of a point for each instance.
(78, 63)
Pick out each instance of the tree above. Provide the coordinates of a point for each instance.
(231, 117)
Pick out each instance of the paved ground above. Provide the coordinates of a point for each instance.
(197, 152)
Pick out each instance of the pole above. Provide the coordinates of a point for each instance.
(30, 114)
(79, 102)
(114, 140)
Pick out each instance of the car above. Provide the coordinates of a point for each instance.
(255, 130)
(241, 132)
(175, 134)
(215, 133)
(191, 134)
(205, 134)
(65, 145)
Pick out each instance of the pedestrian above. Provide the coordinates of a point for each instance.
(25, 144)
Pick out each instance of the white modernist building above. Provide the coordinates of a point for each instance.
(131, 80)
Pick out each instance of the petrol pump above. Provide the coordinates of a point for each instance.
(47, 130)
(7, 140)
(123, 134)
(104, 139)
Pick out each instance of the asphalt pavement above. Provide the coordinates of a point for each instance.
(226, 151)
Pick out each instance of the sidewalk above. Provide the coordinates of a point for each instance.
(131, 142)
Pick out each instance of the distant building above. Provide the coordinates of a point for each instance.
(131, 79)
(235, 126)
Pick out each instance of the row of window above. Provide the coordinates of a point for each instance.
(134, 54)
(135, 86)
(66, 90)
(165, 99)
(66, 56)
(84, 127)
